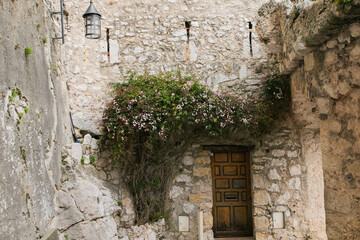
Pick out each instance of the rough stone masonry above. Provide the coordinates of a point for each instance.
(307, 168)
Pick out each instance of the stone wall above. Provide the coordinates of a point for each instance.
(33, 120)
(325, 90)
(191, 192)
(88, 206)
(92, 201)
(307, 168)
(150, 36)
(333, 74)
(279, 185)
(282, 181)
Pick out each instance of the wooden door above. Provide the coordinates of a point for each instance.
(232, 209)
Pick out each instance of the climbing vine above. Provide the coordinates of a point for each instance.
(153, 118)
(342, 5)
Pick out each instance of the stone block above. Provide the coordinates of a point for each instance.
(91, 201)
(130, 59)
(216, 79)
(84, 121)
(188, 207)
(344, 88)
(202, 186)
(176, 191)
(127, 204)
(76, 152)
(274, 188)
(211, 40)
(243, 72)
(261, 236)
(278, 162)
(295, 170)
(261, 224)
(94, 144)
(183, 178)
(179, 33)
(292, 154)
(86, 159)
(333, 126)
(331, 91)
(138, 50)
(331, 57)
(203, 160)
(355, 30)
(87, 139)
(201, 172)
(200, 197)
(208, 220)
(206, 205)
(193, 52)
(273, 175)
(284, 198)
(114, 51)
(324, 105)
(258, 181)
(355, 52)
(344, 37)
(261, 198)
(102, 175)
(309, 62)
(278, 152)
(259, 211)
(188, 161)
(257, 167)
(331, 44)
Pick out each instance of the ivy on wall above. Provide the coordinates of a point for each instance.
(153, 118)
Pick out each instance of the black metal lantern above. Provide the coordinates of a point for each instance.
(92, 22)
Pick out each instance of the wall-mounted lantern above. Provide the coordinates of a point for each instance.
(92, 22)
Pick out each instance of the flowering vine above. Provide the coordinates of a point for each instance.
(150, 115)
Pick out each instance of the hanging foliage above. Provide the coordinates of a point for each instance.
(153, 118)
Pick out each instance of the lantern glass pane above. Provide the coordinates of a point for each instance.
(93, 26)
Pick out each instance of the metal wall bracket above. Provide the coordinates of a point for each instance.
(62, 21)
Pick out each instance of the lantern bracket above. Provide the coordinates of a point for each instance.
(62, 21)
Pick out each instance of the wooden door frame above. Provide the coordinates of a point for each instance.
(237, 148)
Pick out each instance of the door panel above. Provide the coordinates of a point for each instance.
(231, 194)
(224, 223)
(240, 218)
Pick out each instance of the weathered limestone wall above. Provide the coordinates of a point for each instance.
(282, 181)
(280, 184)
(150, 36)
(93, 202)
(88, 204)
(191, 192)
(32, 121)
(330, 78)
(323, 60)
